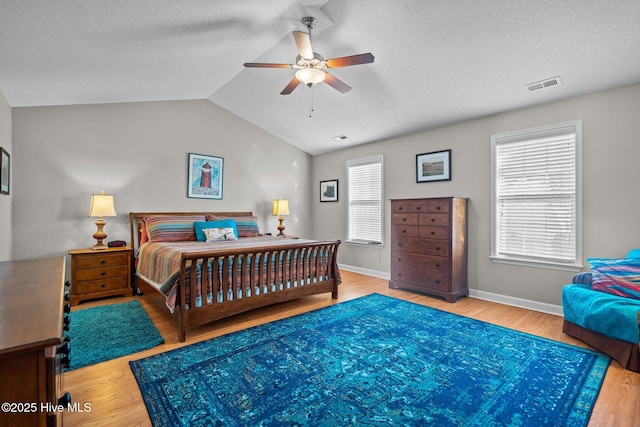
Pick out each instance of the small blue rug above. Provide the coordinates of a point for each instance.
(109, 331)
(374, 361)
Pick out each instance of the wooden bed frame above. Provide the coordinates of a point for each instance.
(321, 277)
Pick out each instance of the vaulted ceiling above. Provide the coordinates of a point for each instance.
(436, 62)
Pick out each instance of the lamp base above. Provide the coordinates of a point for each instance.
(281, 228)
(99, 236)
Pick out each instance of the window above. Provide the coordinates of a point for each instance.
(536, 196)
(364, 197)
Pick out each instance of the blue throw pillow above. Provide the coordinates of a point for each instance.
(200, 226)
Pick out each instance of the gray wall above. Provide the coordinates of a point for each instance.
(138, 152)
(611, 148)
(5, 200)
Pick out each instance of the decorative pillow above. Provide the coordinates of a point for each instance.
(166, 228)
(617, 276)
(144, 236)
(247, 226)
(200, 226)
(214, 234)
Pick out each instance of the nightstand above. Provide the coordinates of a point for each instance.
(98, 274)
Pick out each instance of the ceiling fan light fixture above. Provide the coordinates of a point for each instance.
(310, 76)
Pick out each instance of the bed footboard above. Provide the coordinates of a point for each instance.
(230, 283)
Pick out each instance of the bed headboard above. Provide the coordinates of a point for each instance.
(135, 221)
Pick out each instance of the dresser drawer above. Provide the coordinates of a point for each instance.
(433, 233)
(404, 218)
(101, 273)
(437, 219)
(101, 260)
(433, 264)
(100, 285)
(439, 205)
(434, 281)
(423, 246)
(404, 230)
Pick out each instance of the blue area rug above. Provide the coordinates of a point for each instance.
(109, 331)
(374, 361)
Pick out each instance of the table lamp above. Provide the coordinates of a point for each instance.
(101, 206)
(280, 207)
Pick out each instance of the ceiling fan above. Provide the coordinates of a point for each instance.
(311, 66)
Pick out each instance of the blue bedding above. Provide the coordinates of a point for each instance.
(611, 315)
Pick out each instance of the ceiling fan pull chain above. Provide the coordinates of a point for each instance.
(311, 101)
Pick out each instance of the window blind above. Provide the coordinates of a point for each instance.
(364, 193)
(536, 196)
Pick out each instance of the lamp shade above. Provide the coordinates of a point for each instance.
(280, 207)
(310, 76)
(102, 205)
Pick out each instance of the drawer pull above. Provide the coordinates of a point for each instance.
(404, 219)
(418, 207)
(437, 282)
(399, 244)
(399, 259)
(433, 220)
(433, 233)
(404, 231)
(102, 261)
(438, 265)
(400, 208)
(102, 273)
(437, 248)
(102, 285)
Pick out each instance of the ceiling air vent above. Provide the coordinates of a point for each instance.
(339, 138)
(553, 81)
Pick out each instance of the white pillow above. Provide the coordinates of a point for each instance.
(214, 234)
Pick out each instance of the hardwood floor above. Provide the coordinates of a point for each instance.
(114, 398)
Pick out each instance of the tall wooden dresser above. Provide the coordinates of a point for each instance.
(429, 246)
(32, 347)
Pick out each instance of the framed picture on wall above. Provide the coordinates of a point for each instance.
(329, 191)
(205, 176)
(434, 166)
(5, 174)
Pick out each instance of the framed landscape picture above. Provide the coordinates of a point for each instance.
(205, 176)
(329, 191)
(5, 174)
(434, 166)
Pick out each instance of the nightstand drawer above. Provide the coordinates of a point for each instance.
(100, 285)
(101, 273)
(101, 260)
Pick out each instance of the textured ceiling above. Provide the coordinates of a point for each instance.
(436, 62)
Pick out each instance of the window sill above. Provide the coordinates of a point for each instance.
(369, 244)
(538, 264)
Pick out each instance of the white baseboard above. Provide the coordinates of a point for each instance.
(486, 296)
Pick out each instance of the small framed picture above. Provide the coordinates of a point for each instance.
(329, 191)
(5, 174)
(434, 166)
(205, 176)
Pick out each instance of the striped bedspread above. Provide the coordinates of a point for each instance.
(159, 265)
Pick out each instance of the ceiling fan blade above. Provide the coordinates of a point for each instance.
(290, 87)
(265, 65)
(336, 83)
(345, 61)
(304, 44)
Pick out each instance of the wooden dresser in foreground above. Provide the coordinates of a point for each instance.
(429, 246)
(98, 274)
(32, 347)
